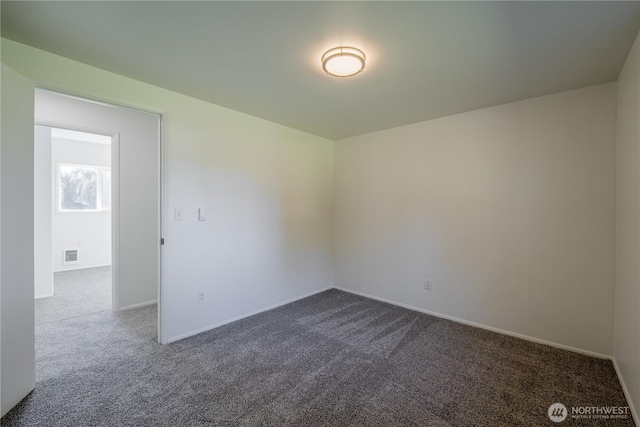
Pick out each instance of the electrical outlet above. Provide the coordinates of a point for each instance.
(200, 297)
(178, 214)
(428, 284)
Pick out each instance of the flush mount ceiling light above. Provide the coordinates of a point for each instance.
(343, 61)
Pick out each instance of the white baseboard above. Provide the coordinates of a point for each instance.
(634, 413)
(479, 325)
(242, 316)
(44, 296)
(82, 267)
(142, 304)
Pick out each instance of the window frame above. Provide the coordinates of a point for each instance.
(99, 188)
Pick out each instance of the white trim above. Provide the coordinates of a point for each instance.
(479, 325)
(625, 390)
(161, 227)
(115, 222)
(44, 296)
(142, 304)
(84, 267)
(242, 316)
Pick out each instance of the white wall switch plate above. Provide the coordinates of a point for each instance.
(178, 214)
(202, 214)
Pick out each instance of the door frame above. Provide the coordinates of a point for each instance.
(115, 159)
(115, 202)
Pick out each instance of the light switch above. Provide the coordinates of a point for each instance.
(178, 214)
(202, 214)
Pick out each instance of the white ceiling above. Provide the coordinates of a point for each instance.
(425, 59)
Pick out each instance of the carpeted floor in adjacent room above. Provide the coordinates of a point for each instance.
(76, 293)
(333, 359)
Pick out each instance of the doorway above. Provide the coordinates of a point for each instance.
(131, 138)
(136, 229)
(72, 223)
(104, 182)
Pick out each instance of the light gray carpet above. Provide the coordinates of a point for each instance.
(333, 359)
(76, 293)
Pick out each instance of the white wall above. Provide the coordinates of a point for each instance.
(17, 344)
(267, 190)
(509, 210)
(43, 262)
(627, 291)
(137, 269)
(89, 232)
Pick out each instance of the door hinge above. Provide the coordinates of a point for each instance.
(162, 241)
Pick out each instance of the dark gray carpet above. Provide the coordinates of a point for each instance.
(333, 359)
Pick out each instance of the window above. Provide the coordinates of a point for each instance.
(84, 188)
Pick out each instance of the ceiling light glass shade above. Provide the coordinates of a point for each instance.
(343, 61)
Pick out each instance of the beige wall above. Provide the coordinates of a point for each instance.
(509, 210)
(627, 292)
